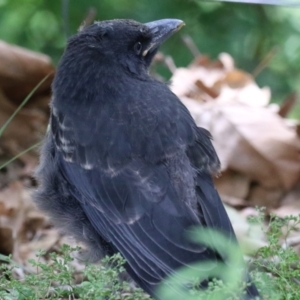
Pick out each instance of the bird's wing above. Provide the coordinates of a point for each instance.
(139, 212)
(204, 159)
(133, 206)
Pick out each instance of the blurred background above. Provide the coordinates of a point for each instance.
(247, 32)
(235, 66)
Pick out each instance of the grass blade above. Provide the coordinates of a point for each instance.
(20, 154)
(22, 104)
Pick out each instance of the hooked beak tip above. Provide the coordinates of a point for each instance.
(179, 26)
(161, 31)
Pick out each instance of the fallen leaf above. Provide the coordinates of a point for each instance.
(233, 184)
(23, 69)
(267, 197)
(251, 140)
(6, 240)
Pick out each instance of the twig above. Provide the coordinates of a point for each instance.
(20, 154)
(169, 62)
(89, 18)
(165, 60)
(211, 92)
(65, 17)
(190, 44)
(288, 103)
(265, 62)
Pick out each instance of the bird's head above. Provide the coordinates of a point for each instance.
(124, 42)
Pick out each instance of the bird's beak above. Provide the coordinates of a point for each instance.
(161, 30)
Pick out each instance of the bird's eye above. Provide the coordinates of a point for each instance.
(138, 48)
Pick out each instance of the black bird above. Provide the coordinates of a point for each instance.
(124, 168)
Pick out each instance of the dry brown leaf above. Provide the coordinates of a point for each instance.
(11, 199)
(184, 81)
(261, 196)
(6, 240)
(206, 62)
(253, 141)
(46, 241)
(21, 70)
(209, 91)
(233, 184)
(287, 210)
(16, 206)
(232, 201)
(25, 130)
(250, 94)
(288, 104)
(198, 80)
(234, 79)
(205, 81)
(290, 204)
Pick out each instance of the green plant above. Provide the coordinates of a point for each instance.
(276, 272)
(277, 268)
(229, 284)
(55, 279)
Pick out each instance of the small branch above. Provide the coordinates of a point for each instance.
(212, 93)
(169, 62)
(89, 18)
(165, 60)
(65, 17)
(288, 104)
(190, 44)
(265, 62)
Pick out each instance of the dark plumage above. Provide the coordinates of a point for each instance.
(124, 166)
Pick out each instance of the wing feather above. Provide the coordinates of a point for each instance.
(123, 182)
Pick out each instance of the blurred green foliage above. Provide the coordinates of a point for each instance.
(247, 32)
